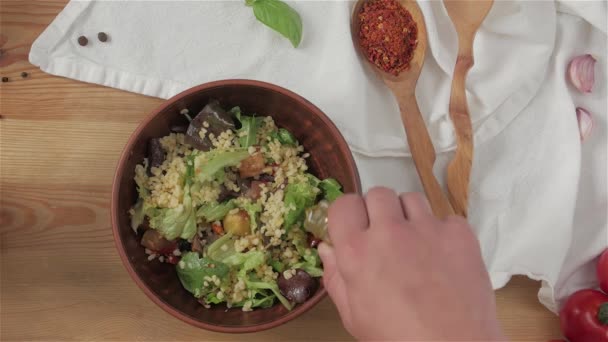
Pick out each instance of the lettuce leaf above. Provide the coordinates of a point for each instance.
(298, 197)
(213, 168)
(137, 214)
(215, 251)
(215, 211)
(311, 263)
(192, 271)
(331, 189)
(272, 286)
(249, 125)
(284, 137)
(175, 222)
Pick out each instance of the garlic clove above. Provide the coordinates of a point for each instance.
(585, 122)
(581, 71)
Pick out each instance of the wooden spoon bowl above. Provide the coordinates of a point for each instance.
(403, 88)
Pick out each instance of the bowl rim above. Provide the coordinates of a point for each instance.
(120, 169)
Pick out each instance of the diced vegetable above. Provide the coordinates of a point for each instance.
(154, 241)
(238, 223)
(217, 229)
(196, 245)
(252, 166)
(254, 191)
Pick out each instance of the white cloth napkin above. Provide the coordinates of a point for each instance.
(538, 197)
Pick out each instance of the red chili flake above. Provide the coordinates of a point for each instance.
(388, 35)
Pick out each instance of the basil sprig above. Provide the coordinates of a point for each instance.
(280, 17)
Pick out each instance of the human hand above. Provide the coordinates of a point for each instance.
(396, 272)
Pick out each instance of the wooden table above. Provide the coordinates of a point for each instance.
(61, 278)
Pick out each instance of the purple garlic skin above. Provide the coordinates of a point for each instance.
(581, 72)
(585, 122)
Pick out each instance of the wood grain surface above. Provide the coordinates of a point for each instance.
(61, 278)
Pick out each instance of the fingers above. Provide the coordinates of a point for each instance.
(334, 283)
(347, 217)
(415, 206)
(383, 207)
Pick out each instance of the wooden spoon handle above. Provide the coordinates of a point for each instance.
(423, 154)
(459, 169)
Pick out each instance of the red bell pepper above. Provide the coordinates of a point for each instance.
(602, 271)
(584, 317)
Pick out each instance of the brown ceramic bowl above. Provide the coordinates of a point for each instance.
(330, 157)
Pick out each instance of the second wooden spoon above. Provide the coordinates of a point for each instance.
(467, 16)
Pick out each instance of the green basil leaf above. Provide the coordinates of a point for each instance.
(280, 17)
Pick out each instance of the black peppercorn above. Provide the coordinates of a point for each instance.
(82, 40)
(102, 36)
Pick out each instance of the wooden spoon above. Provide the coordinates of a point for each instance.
(403, 88)
(467, 16)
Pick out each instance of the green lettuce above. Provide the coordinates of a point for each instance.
(215, 251)
(312, 262)
(192, 271)
(138, 214)
(298, 197)
(175, 222)
(215, 211)
(249, 125)
(272, 286)
(213, 168)
(284, 137)
(277, 265)
(331, 189)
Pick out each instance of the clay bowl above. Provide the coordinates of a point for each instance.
(330, 157)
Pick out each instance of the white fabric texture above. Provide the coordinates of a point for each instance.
(538, 197)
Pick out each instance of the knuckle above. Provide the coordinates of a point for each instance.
(380, 191)
(343, 204)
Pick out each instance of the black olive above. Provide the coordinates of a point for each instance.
(184, 245)
(299, 287)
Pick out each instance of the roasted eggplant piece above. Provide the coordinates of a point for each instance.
(211, 118)
(156, 153)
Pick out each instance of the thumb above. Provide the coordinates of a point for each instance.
(334, 284)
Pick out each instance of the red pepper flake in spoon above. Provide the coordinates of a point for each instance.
(388, 35)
